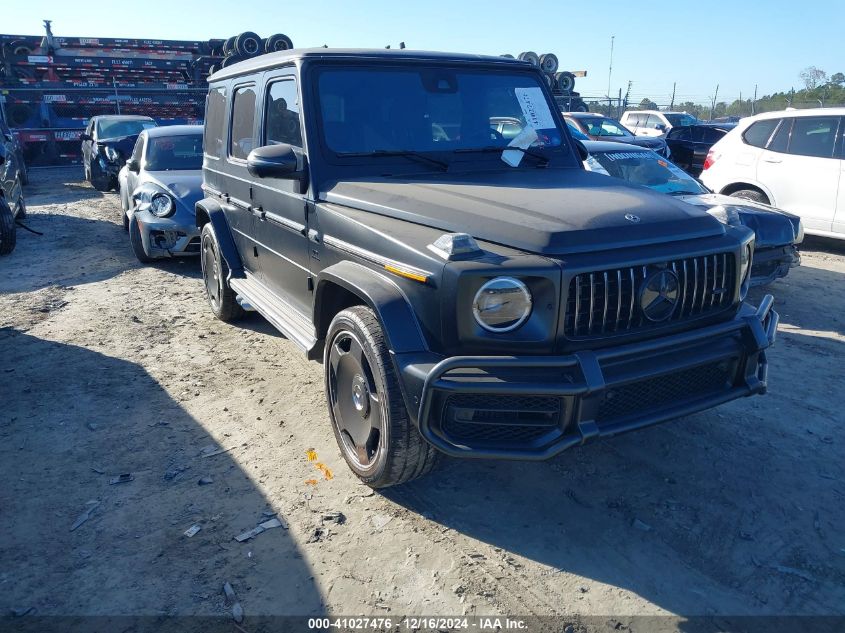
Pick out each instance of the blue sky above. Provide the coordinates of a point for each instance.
(735, 44)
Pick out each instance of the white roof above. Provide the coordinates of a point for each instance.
(793, 112)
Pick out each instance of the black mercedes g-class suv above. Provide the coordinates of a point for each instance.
(467, 294)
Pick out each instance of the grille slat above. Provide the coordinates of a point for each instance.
(605, 301)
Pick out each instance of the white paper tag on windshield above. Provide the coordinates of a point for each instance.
(535, 108)
(524, 140)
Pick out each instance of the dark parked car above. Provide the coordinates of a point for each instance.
(601, 128)
(15, 149)
(690, 144)
(776, 233)
(106, 143)
(466, 293)
(159, 186)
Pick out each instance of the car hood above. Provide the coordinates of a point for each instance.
(771, 226)
(545, 211)
(124, 144)
(184, 186)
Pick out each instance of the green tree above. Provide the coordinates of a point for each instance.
(647, 104)
(837, 79)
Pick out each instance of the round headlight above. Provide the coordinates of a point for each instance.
(161, 205)
(502, 304)
(745, 262)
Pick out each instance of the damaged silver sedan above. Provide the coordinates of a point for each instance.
(159, 186)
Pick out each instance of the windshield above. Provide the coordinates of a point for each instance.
(399, 111)
(115, 128)
(645, 168)
(681, 120)
(182, 152)
(599, 126)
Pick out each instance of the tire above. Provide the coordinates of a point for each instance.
(24, 174)
(389, 449)
(124, 209)
(212, 69)
(549, 63)
(20, 210)
(136, 242)
(550, 80)
(220, 295)
(8, 230)
(529, 56)
(229, 46)
(278, 42)
(100, 180)
(751, 194)
(579, 106)
(248, 44)
(231, 59)
(565, 81)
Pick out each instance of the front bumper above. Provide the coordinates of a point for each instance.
(176, 236)
(772, 263)
(534, 407)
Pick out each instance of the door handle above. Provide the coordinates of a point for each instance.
(314, 236)
(772, 159)
(260, 212)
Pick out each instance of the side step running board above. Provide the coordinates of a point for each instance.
(281, 315)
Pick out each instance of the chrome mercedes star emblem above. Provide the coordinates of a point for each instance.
(632, 218)
(659, 295)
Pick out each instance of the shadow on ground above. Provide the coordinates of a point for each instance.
(72, 420)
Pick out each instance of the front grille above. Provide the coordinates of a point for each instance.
(510, 420)
(607, 301)
(652, 394)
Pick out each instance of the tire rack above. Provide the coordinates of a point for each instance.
(47, 97)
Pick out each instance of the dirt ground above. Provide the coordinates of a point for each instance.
(110, 367)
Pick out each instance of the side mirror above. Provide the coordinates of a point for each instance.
(85, 137)
(276, 161)
(132, 165)
(582, 150)
(660, 127)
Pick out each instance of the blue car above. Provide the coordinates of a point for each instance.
(159, 186)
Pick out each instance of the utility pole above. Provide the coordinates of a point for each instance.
(672, 104)
(713, 102)
(754, 100)
(610, 66)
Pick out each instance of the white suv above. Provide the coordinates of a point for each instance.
(654, 122)
(792, 160)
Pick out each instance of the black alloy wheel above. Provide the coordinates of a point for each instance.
(355, 400)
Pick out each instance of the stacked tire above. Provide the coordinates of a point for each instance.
(562, 83)
(248, 44)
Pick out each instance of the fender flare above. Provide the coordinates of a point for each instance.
(208, 210)
(381, 294)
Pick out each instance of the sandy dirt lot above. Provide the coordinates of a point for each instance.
(110, 367)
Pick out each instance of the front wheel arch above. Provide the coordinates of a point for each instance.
(346, 284)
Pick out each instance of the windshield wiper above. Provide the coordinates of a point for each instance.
(405, 153)
(493, 149)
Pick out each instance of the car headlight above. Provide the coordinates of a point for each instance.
(745, 261)
(799, 237)
(161, 205)
(111, 153)
(502, 304)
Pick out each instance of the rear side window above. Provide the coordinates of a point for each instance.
(282, 121)
(712, 135)
(759, 132)
(215, 121)
(813, 136)
(243, 122)
(780, 141)
(679, 134)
